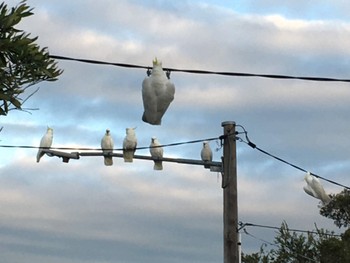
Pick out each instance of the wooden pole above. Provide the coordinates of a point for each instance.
(229, 185)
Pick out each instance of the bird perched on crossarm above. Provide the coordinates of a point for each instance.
(129, 145)
(156, 152)
(157, 94)
(45, 143)
(107, 146)
(206, 153)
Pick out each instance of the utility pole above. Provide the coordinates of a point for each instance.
(229, 185)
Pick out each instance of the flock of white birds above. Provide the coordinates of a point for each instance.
(157, 94)
(313, 186)
(129, 148)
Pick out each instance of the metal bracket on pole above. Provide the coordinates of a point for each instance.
(217, 169)
(64, 155)
(225, 178)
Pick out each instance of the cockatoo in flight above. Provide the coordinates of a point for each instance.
(206, 153)
(156, 152)
(315, 189)
(157, 94)
(107, 146)
(129, 145)
(45, 143)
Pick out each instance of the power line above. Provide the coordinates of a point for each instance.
(260, 239)
(248, 142)
(203, 72)
(115, 149)
(254, 146)
(242, 225)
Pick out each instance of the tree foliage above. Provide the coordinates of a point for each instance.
(335, 249)
(322, 247)
(338, 209)
(22, 62)
(260, 257)
(319, 246)
(293, 247)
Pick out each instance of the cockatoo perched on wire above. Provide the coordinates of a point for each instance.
(315, 189)
(45, 143)
(206, 153)
(157, 94)
(156, 152)
(107, 146)
(129, 145)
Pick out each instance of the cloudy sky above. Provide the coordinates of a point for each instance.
(84, 211)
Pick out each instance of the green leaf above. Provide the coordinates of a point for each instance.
(4, 97)
(16, 103)
(22, 62)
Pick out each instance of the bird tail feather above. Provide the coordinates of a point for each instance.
(38, 156)
(108, 161)
(158, 165)
(128, 156)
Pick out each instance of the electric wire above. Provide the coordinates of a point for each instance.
(203, 72)
(247, 141)
(254, 146)
(115, 149)
(243, 225)
(260, 239)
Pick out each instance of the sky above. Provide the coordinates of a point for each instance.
(83, 211)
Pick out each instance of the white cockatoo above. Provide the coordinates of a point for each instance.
(129, 145)
(107, 146)
(157, 94)
(45, 143)
(206, 153)
(315, 189)
(156, 152)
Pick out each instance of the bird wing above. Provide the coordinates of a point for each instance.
(129, 143)
(319, 190)
(156, 152)
(309, 191)
(315, 188)
(309, 188)
(107, 144)
(165, 98)
(149, 99)
(206, 154)
(45, 142)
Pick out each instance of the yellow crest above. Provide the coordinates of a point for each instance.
(157, 62)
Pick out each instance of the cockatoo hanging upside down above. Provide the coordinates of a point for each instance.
(315, 189)
(157, 94)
